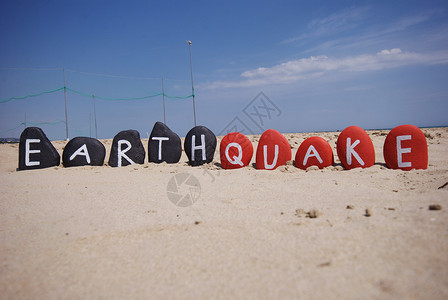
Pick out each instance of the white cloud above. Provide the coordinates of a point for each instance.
(315, 66)
(353, 29)
(388, 52)
(337, 22)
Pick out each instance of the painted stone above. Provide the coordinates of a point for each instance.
(314, 151)
(36, 150)
(200, 145)
(406, 148)
(83, 151)
(273, 150)
(127, 149)
(164, 145)
(355, 148)
(235, 151)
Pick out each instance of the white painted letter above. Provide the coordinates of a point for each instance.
(265, 156)
(81, 151)
(121, 153)
(400, 151)
(236, 159)
(29, 163)
(199, 147)
(351, 151)
(160, 139)
(310, 153)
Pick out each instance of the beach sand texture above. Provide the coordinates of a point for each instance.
(112, 233)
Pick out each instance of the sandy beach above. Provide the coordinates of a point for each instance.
(113, 233)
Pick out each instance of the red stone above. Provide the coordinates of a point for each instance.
(236, 151)
(355, 148)
(314, 151)
(405, 148)
(271, 143)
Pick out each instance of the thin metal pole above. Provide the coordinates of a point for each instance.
(65, 97)
(192, 84)
(163, 94)
(90, 125)
(94, 116)
(25, 121)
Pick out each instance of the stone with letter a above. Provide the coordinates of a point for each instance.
(83, 151)
(355, 148)
(273, 150)
(235, 151)
(405, 148)
(314, 151)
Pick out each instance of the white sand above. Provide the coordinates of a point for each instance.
(112, 233)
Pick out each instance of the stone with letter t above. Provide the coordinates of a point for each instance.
(164, 145)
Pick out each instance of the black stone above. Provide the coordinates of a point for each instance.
(171, 148)
(196, 158)
(41, 154)
(136, 153)
(80, 149)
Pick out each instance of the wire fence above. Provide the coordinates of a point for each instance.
(98, 105)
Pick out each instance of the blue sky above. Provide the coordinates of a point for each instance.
(324, 65)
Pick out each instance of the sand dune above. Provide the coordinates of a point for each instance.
(103, 232)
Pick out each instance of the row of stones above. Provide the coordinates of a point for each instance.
(405, 148)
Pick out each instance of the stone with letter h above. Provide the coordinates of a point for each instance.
(200, 145)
